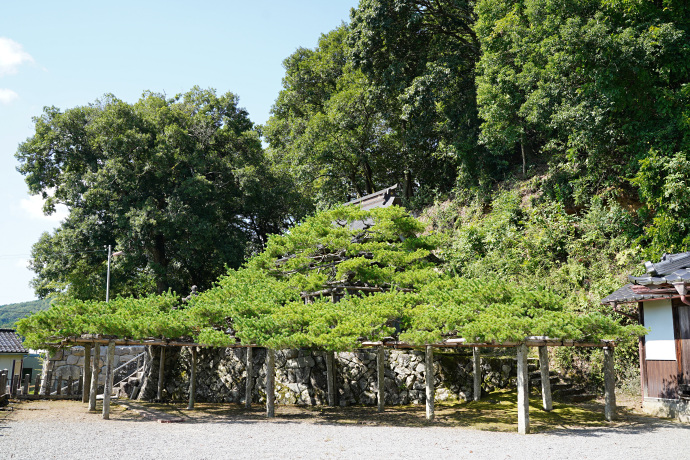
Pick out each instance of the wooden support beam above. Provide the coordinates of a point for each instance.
(37, 386)
(95, 370)
(27, 381)
(59, 386)
(108, 390)
(249, 384)
(87, 372)
(70, 381)
(3, 383)
(48, 383)
(80, 386)
(609, 385)
(161, 374)
(270, 382)
(380, 377)
(546, 399)
(192, 380)
(477, 373)
(330, 377)
(429, 378)
(523, 389)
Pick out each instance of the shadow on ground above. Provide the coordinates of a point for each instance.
(495, 412)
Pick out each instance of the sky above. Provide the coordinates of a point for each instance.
(68, 54)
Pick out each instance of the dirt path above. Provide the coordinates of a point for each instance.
(65, 430)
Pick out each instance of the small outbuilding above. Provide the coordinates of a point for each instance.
(12, 353)
(663, 306)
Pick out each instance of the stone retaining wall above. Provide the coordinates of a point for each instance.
(301, 375)
(68, 362)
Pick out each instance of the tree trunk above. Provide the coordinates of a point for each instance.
(523, 389)
(161, 374)
(270, 382)
(429, 378)
(95, 369)
(477, 371)
(545, 378)
(108, 380)
(87, 373)
(380, 374)
(192, 380)
(249, 388)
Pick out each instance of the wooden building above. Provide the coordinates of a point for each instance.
(663, 306)
(12, 354)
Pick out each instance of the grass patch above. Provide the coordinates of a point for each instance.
(497, 411)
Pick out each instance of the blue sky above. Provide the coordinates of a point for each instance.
(70, 53)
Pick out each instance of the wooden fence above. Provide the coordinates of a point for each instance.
(53, 388)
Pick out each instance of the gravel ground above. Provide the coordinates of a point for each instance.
(43, 430)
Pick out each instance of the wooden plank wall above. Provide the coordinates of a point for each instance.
(662, 379)
(684, 342)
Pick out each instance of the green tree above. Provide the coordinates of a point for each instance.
(420, 57)
(588, 87)
(179, 184)
(326, 129)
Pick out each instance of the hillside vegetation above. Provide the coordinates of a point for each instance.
(11, 312)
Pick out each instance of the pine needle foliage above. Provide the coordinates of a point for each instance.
(379, 263)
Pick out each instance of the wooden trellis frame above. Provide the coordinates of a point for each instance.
(542, 343)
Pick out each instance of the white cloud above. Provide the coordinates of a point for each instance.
(12, 55)
(7, 96)
(34, 208)
(22, 263)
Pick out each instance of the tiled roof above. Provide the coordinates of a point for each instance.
(660, 276)
(626, 295)
(678, 276)
(10, 342)
(381, 199)
(669, 263)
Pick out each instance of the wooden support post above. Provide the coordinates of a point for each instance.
(429, 377)
(380, 374)
(192, 380)
(161, 373)
(330, 377)
(107, 391)
(59, 386)
(87, 373)
(37, 386)
(3, 382)
(270, 382)
(27, 381)
(48, 383)
(523, 389)
(546, 399)
(69, 386)
(249, 387)
(477, 373)
(95, 370)
(609, 384)
(80, 386)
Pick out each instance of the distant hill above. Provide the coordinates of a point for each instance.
(10, 313)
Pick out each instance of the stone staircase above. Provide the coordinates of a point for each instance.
(129, 380)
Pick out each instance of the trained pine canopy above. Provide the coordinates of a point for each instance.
(378, 264)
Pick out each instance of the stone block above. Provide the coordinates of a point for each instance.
(77, 351)
(72, 359)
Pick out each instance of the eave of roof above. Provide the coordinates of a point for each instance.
(10, 342)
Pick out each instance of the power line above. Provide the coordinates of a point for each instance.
(10, 256)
